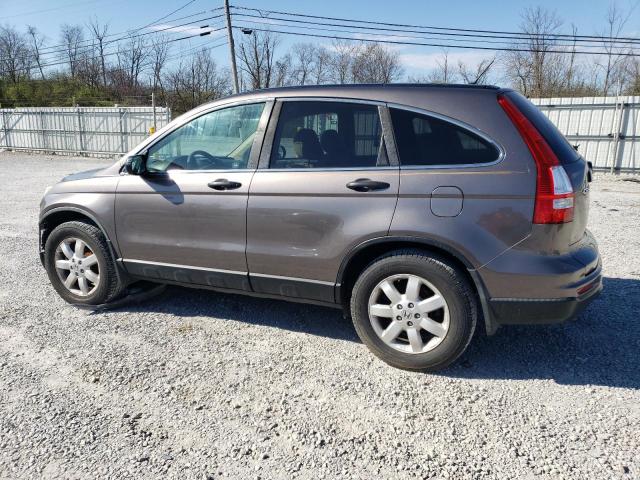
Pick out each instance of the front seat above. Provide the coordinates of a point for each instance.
(310, 145)
(334, 148)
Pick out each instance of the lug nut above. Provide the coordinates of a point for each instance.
(411, 305)
(81, 271)
(399, 307)
(417, 315)
(410, 324)
(398, 317)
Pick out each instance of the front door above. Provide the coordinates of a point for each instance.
(325, 184)
(185, 219)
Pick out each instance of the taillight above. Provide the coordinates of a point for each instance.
(554, 193)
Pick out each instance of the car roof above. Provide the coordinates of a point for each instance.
(373, 91)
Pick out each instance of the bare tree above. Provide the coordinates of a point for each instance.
(282, 71)
(88, 69)
(477, 75)
(99, 33)
(571, 68)
(341, 63)
(613, 66)
(632, 72)
(540, 70)
(443, 72)
(322, 65)
(36, 44)
(159, 53)
(257, 58)
(130, 63)
(72, 37)
(196, 80)
(304, 58)
(15, 58)
(375, 63)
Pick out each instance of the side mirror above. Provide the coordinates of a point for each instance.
(136, 165)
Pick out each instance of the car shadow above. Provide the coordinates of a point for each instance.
(599, 348)
(298, 317)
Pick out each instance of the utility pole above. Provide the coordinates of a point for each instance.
(232, 49)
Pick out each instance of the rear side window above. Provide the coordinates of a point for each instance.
(426, 140)
(328, 135)
(558, 143)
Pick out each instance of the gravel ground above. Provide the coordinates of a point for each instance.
(195, 384)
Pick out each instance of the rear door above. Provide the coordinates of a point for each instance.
(325, 184)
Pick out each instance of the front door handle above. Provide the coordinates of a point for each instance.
(224, 184)
(367, 185)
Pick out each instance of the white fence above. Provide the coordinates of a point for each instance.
(606, 129)
(78, 130)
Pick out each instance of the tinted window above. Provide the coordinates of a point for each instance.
(217, 140)
(328, 135)
(425, 140)
(558, 143)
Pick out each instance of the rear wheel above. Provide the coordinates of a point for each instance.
(414, 311)
(80, 266)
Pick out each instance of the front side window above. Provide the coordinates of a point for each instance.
(312, 134)
(426, 140)
(216, 140)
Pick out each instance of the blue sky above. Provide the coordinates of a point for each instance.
(123, 15)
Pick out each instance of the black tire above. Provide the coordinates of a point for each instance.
(453, 286)
(110, 285)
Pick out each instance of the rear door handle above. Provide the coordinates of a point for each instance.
(224, 184)
(367, 185)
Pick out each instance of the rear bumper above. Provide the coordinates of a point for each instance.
(519, 311)
(524, 287)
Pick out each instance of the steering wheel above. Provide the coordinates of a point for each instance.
(201, 160)
(282, 152)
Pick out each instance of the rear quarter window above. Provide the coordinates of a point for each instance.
(425, 140)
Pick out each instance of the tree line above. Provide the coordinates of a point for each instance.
(86, 67)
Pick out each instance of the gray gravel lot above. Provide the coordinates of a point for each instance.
(195, 384)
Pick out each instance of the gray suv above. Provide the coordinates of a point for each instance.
(417, 209)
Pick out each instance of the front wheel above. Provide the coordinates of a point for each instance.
(80, 266)
(414, 311)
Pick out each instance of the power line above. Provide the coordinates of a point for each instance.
(441, 45)
(61, 7)
(126, 34)
(370, 22)
(384, 35)
(169, 14)
(474, 38)
(89, 48)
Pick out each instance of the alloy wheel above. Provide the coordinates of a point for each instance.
(77, 266)
(408, 313)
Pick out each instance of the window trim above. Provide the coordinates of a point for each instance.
(387, 136)
(454, 121)
(254, 156)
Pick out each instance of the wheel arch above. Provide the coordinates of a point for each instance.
(57, 216)
(362, 255)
